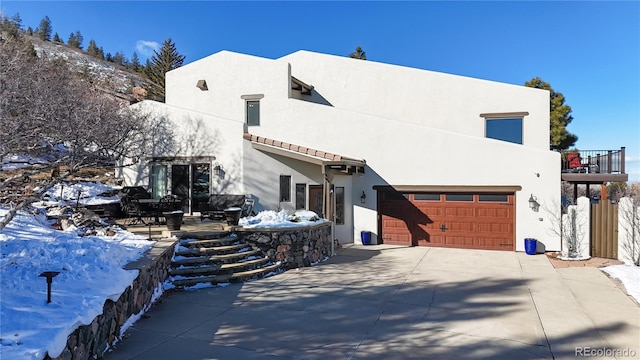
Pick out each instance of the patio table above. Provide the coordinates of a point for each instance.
(157, 206)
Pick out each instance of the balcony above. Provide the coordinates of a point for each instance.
(593, 166)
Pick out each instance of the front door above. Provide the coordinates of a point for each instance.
(315, 199)
(180, 184)
(200, 181)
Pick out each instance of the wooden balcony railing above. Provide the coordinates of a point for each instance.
(593, 161)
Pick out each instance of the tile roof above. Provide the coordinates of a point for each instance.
(299, 149)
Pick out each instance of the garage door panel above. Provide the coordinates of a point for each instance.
(459, 226)
(468, 224)
(495, 228)
(459, 211)
(494, 213)
(459, 241)
(495, 243)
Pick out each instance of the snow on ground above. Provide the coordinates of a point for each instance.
(91, 271)
(629, 275)
(281, 219)
(67, 194)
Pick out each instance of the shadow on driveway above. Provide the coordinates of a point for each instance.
(365, 303)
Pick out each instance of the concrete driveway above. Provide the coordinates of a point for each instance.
(384, 302)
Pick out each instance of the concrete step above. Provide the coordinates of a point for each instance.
(217, 250)
(207, 243)
(213, 279)
(237, 266)
(224, 258)
(210, 269)
(256, 273)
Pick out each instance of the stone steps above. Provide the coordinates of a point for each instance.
(209, 242)
(214, 250)
(225, 259)
(220, 259)
(255, 273)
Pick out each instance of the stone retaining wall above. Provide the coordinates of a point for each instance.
(294, 247)
(91, 341)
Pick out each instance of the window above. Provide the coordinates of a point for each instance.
(505, 129)
(253, 112)
(427, 197)
(301, 196)
(493, 197)
(200, 180)
(158, 181)
(339, 191)
(459, 197)
(285, 188)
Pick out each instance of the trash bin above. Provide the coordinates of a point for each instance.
(233, 215)
(530, 246)
(174, 219)
(365, 236)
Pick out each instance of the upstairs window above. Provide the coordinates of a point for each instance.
(253, 112)
(506, 126)
(505, 129)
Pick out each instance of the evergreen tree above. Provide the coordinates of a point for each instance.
(57, 38)
(358, 54)
(30, 31)
(162, 61)
(75, 40)
(92, 49)
(135, 62)
(101, 53)
(559, 117)
(10, 26)
(108, 57)
(44, 29)
(118, 58)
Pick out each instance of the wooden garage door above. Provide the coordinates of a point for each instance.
(459, 220)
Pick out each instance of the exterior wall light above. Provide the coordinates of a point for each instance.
(218, 171)
(363, 198)
(533, 203)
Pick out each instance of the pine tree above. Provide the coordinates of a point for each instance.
(559, 117)
(108, 57)
(118, 58)
(44, 29)
(92, 49)
(11, 26)
(162, 62)
(135, 62)
(75, 40)
(101, 53)
(30, 31)
(358, 54)
(57, 38)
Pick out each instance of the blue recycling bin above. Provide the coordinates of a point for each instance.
(530, 246)
(365, 236)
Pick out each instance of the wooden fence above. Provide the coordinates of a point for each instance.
(604, 230)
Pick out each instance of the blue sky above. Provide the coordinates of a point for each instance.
(589, 51)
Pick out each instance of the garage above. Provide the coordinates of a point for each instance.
(472, 217)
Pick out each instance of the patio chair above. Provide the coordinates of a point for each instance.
(247, 208)
(574, 163)
(132, 210)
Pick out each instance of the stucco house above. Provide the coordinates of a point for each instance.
(416, 157)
